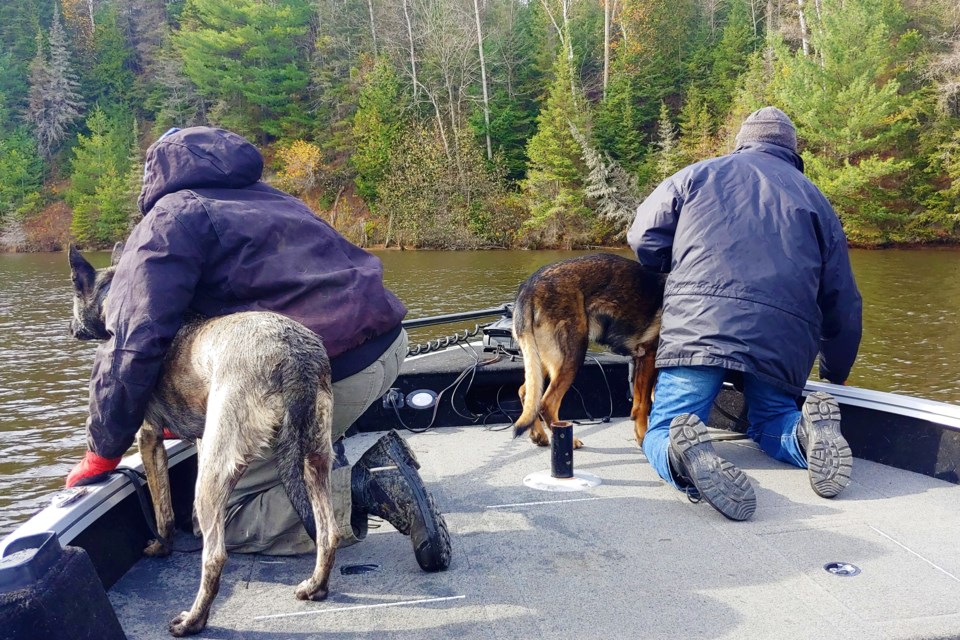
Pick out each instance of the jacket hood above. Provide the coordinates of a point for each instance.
(785, 154)
(195, 158)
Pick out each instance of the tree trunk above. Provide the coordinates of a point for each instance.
(333, 209)
(803, 29)
(413, 57)
(483, 80)
(606, 45)
(373, 28)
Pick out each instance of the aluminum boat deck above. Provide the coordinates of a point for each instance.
(630, 558)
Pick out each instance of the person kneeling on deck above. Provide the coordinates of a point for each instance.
(759, 282)
(215, 240)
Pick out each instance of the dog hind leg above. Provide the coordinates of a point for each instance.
(154, 457)
(224, 458)
(316, 469)
(645, 375)
(562, 367)
(317, 476)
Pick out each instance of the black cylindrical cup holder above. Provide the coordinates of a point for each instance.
(561, 450)
(50, 592)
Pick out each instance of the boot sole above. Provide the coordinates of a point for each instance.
(433, 553)
(829, 458)
(720, 483)
(405, 450)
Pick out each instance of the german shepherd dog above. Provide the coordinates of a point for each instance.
(604, 298)
(233, 384)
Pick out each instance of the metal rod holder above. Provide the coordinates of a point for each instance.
(561, 450)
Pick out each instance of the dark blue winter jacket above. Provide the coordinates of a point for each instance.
(760, 278)
(213, 241)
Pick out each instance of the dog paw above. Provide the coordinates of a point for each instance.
(156, 549)
(539, 439)
(307, 590)
(577, 443)
(182, 625)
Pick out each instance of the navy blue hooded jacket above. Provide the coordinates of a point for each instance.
(214, 241)
(759, 274)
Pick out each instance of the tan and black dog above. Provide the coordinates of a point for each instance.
(560, 309)
(237, 383)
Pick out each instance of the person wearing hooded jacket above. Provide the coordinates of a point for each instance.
(215, 240)
(759, 283)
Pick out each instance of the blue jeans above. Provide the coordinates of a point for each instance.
(771, 412)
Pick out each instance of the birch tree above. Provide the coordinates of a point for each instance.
(483, 80)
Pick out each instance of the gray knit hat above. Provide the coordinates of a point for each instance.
(768, 124)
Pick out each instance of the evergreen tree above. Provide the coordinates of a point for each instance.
(21, 170)
(99, 187)
(376, 125)
(111, 80)
(696, 134)
(19, 21)
(669, 157)
(54, 101)
(246, 56)
(554, 185)
(617, 125)
(730, 57)
(852, 114)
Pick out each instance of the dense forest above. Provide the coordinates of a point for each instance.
(477, 123)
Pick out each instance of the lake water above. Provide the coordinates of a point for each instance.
(911, 342)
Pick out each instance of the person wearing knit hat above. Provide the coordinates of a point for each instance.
(759, 286)
(768, 124)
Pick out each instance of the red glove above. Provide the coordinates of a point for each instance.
(92, 469)
(169, 435)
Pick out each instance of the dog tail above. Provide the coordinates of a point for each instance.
(532, 367)
(291, 453)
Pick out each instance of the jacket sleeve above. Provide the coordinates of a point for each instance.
(651, 235)
(152, 289)
(842, 309)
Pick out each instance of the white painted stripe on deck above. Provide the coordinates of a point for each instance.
(905, 547)
(361, 606)
(530, 504)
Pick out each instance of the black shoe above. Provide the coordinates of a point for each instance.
(829, 459)
(694, 461)
(386, 484)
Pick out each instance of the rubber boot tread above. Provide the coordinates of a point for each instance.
(719, 482)
(829, 458)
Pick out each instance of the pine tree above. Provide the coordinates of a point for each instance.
(99, 190)
(111, 80)
(617, 123)
(553, 188)
(852, 113)
(669, 157)
(21, 170)
(54, 101)
(695, 128)
(613, 189)
(246, 57)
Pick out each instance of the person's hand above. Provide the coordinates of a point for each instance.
(92, 469)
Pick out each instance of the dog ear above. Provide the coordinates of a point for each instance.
(81, 272)
(117, 252)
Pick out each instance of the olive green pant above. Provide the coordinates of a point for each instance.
(260, 517)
